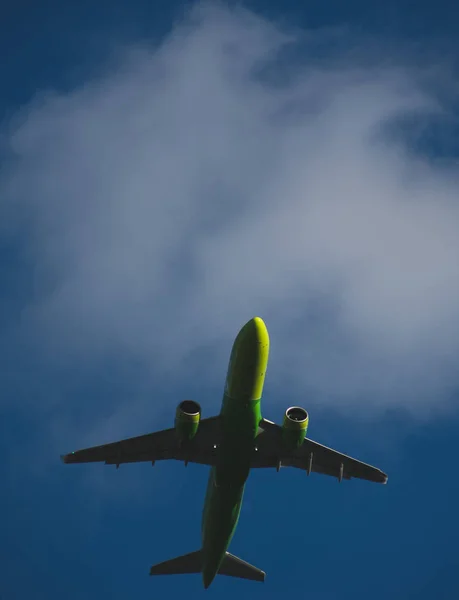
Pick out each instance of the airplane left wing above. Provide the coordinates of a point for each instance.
(161, 445)
(310, 456)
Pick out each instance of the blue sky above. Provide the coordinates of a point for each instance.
(166, 176)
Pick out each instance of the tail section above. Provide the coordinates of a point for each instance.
(187, 563)
(231, 566)
(236, 567)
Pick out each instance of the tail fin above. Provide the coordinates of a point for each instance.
(232, 566)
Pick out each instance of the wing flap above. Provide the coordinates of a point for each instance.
(311, 457)
(331, 462)
(161, 445)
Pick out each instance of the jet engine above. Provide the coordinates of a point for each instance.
(294, 427)
(187, 417)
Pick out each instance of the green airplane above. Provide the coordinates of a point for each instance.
(232, 443)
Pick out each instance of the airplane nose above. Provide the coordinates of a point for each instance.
(248, 361)
(253, 337)
(256, 330)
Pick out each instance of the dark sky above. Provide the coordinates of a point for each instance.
(91, 531)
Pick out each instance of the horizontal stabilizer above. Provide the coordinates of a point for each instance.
(236, 567)
(232, 566)
(187, 563)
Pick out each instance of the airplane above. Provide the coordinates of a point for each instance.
(234, 442)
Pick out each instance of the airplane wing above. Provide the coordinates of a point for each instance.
(311, 457)
(161, 445)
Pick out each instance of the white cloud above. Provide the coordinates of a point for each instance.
(186, 190)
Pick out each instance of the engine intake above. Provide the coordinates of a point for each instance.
(187, 418)
(295, 426)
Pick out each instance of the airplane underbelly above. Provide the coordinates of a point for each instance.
(222, 515)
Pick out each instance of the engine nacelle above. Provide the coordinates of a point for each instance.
(187, 417)
(294, 427)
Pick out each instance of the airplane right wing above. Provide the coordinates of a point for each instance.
(310, 456)
(160, 445)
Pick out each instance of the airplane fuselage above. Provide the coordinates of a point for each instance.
(240, 417)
